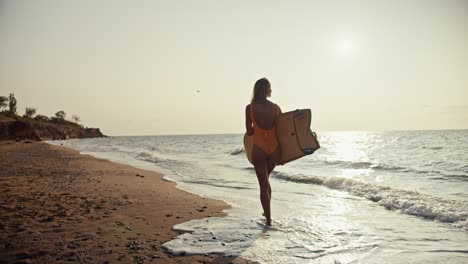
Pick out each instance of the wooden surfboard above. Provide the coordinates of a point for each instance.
(295, 137)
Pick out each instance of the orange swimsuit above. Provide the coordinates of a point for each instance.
(263, 138)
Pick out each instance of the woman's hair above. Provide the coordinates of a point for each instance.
(261, 89)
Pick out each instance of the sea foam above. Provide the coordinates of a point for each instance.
(404, 201)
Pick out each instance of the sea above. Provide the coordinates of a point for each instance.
(363, 197)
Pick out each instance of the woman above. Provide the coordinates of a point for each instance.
(260, 119)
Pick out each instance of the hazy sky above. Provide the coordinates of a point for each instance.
(133, 67)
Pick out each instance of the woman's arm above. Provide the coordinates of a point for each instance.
(248, 121)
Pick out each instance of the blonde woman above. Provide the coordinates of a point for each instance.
(260, 120)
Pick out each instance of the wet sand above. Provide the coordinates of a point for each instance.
(57, 206)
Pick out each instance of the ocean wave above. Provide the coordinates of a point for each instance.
(162, 162)
(237, 151)
(464, 168)
(404, 201)
(395, 168)
(433, 148)
(153, 148)
(365, 165)
(353, 164)
(459, 177)
(148, 156)
(299, 178)
(233, 185)
(389, 167)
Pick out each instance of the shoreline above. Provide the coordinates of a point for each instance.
(58, 205)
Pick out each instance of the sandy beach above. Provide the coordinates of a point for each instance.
(57, 206)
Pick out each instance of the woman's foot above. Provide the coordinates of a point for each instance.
(267, 222)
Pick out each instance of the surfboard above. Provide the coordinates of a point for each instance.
(295, 137)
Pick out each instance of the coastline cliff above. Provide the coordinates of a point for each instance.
(22, 128)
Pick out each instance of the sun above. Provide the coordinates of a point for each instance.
(345, 47)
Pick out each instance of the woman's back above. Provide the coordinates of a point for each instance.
(264, 114)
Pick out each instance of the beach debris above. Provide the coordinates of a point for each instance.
(134, 245)
(169, 215)
(202, 209)
(47, 219)
(154, 247)
(119, 223)
(140, 175)
(72, 245)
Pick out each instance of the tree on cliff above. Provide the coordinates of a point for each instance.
(12, 104)
(29, 112)
(3, 101)
(75, 119)
(60, 115)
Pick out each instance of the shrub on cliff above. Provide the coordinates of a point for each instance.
(30, 111)
(10, 115)
(3, 101)
(59, 118)
(60, 115)
(42, 118)
(60, 121)
(56, 120)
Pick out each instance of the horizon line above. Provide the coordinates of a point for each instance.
(318, 131)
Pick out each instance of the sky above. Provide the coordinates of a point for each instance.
(134, 67)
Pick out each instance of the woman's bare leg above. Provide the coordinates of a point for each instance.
(271, 164)
(259, 159)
